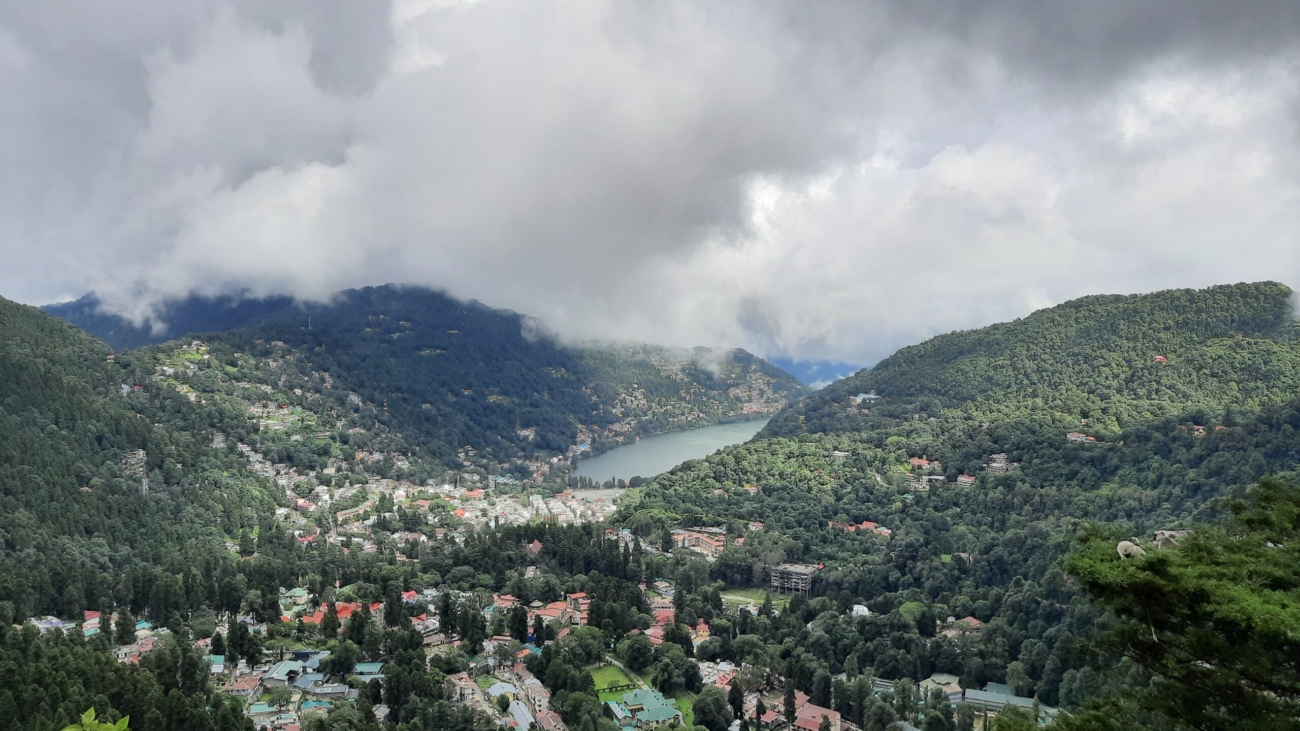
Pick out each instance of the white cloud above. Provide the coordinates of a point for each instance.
(828, 182)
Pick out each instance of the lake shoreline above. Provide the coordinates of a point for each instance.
(658, 453)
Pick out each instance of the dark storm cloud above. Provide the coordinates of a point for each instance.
(825, 180)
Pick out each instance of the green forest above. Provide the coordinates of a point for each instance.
(454, 374)
(987, 486)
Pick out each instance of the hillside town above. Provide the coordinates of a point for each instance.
(289, 684)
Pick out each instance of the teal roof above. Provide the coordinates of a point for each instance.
(654, 714)
(91, 632)
(368, 668)
(142, 625)
(217, 659)
(646, 698)
(618, 710)
(281, 671)
(259, 708)
(308, 705)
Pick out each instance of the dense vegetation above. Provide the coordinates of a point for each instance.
(1113, 360)
(1215, 622)
(1197, 636)
(453, 374)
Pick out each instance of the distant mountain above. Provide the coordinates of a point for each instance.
(1110, 360)
(467, 382)
(177, 317)
(815, 373)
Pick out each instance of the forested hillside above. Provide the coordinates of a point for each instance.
(82, 440)
(175, 318)
(959, 489)
(1112, 360)
(454, 375)
(957, 524)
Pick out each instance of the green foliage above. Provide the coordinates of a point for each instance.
(711, 709)
(453, 374)
(50, 679)
(1216, 620)
(88, 723)
(1091, 358)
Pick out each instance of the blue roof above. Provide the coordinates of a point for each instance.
(281, 670)
(306, 705)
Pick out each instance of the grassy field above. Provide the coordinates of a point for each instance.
(486, 681)
(609, 676)
(686, 704)
(755, 596)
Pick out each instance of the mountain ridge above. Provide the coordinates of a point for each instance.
(1086, 358)
(460, 377)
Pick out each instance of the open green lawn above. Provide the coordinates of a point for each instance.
(756, 596)
(486, 681)
(686, 704)
(609, 676)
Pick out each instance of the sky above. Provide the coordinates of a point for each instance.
(811, 181)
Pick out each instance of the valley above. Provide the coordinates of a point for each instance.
(374, 514)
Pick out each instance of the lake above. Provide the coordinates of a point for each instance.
(662, 452)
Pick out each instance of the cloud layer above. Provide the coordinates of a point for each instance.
(815, 180)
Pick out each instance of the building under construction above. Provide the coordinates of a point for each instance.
(793, 578)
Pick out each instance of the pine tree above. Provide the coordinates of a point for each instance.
(329, 624)
(124, 632)
(736, 699)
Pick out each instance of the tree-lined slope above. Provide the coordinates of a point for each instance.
(455, 375)
(1110, 359)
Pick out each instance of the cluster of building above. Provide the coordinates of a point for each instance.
(710, 542)
(310, 692)
(93, 623)
(866, 526)
(573, 610)
(989, 701)
(528, 701)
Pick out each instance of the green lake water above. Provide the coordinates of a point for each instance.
(662, 452)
